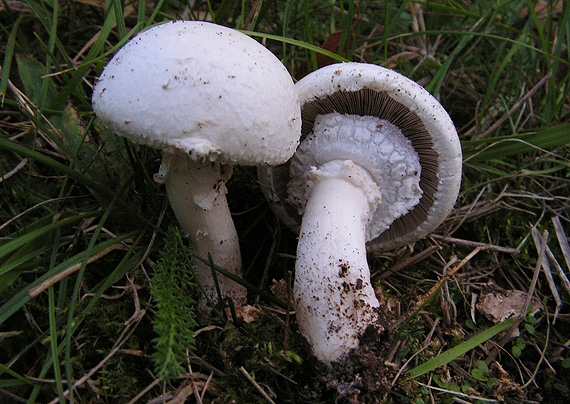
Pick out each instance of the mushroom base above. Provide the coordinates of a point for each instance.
(364, 376)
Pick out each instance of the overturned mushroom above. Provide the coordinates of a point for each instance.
(208, 97)
(379, 166)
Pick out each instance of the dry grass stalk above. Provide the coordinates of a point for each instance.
(72, 269)
(458, 395)
(541, 244)
(510, 331)
(562, 240)
(448, 275)
(256, 385)
(144, 391)
(13, 171)
(514, 108)
(130, 326)
(469, 243)
(422, 255)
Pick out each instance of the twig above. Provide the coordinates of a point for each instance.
(182, 394)
(254, 11)
(256, 385)
(193, 384)
(542, 357)
(206, 385)
(8, 334)
(469, 243)
(418, 25)
(473, 306)
(562, 347)
(448, 275)
(201, 362)
(405, 365)
(539, 262)
(457, 393)
(10, 173)
(432, 331)
(144, 391)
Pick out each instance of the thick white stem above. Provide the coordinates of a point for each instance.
(197, 195)
(334, 299)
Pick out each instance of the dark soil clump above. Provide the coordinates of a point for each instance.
(364, 376)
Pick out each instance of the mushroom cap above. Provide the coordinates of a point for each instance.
(202, 89)
(370, 90)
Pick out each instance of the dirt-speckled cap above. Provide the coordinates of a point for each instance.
(203, 89)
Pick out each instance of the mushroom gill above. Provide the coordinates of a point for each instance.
(368, 102)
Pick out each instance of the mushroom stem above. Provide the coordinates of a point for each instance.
(334, 299)
(197, 194)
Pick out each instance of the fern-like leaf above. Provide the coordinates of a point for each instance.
(175, 318)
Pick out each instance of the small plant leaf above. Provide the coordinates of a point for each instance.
(482, 367)
(516, 351)
(470, 324)
(521, 343)
(530, 319)
(438, 381)
(477, 374)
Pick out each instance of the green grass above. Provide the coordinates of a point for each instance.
(82, 223)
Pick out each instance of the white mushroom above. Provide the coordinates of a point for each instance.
(379, 167)
(209, 97)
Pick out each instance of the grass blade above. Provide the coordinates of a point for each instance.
(455, 352)
(506, 146)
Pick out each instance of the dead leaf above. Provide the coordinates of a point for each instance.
(499, 304)
(247, 313)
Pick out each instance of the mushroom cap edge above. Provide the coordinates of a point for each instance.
(352, 77)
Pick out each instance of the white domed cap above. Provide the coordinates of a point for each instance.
(371, 90)
(204, 89)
